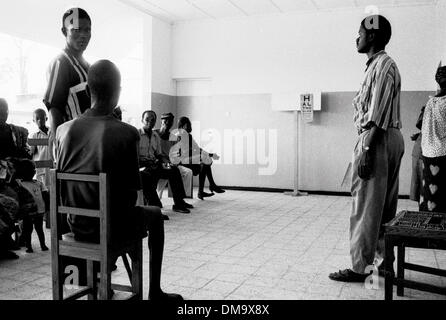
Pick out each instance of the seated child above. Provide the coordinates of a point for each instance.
(40, 194)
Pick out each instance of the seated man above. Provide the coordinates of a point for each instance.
(13, 139)
(98, 142)
(157, 167)
(168, 140)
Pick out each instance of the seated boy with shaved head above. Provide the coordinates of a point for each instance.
(98, 142)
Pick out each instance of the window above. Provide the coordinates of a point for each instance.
(23, 78)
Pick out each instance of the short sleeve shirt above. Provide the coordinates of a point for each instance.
(40, 152)
(67, 83)
(378, 100)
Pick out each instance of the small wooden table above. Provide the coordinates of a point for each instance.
(414, 229)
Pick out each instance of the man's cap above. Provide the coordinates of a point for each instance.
(168, 115)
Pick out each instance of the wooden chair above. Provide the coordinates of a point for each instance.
(104, 252)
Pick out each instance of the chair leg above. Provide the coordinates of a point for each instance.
(137, 264)
(400, 270)
(127, 265)
(388, 290)
(105, 281)
(91, 280)
(58, 277)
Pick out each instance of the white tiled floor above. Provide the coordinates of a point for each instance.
(243, 245)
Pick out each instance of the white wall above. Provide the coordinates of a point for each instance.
(441, 30)
(161, 58)
(251, 58)
(285, 52)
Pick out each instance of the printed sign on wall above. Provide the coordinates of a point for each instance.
(307, 106)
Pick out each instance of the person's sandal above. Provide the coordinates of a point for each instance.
(348, 275)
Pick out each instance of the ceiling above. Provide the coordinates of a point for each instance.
(183, 10)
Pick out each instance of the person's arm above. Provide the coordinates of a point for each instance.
(381, 107)
(420, 118)
(366, 164)
(55, 119)
(56, 96)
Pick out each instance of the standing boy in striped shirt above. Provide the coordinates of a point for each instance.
(66, 95)
(378, 151)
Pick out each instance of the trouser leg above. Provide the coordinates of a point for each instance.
(395, 152)
(38, 225)
(155, 226)
(367, 206)
(27, 231)
(149, 181)
(186, 176)
(175, 182)
(202, 177)
(209, 175)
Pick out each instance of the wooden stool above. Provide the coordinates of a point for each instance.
(424, 230)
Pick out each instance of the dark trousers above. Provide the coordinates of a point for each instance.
(150, 178)
(203, 171)
(28, 224)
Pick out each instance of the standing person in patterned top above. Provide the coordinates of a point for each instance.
(433, 148)
(378, 151)
(66, 95)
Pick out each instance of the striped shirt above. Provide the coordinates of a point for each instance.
(378, 100)
(66, 90)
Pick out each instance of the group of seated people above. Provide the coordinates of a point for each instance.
(23, 199)
(174, 156)
(163, 154)
(99, 141)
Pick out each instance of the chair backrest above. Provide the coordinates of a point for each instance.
(57, 209)
(48, 163)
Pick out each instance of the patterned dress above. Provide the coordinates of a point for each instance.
(433, 145)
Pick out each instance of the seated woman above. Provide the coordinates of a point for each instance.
(433, 146)
(188, 154)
